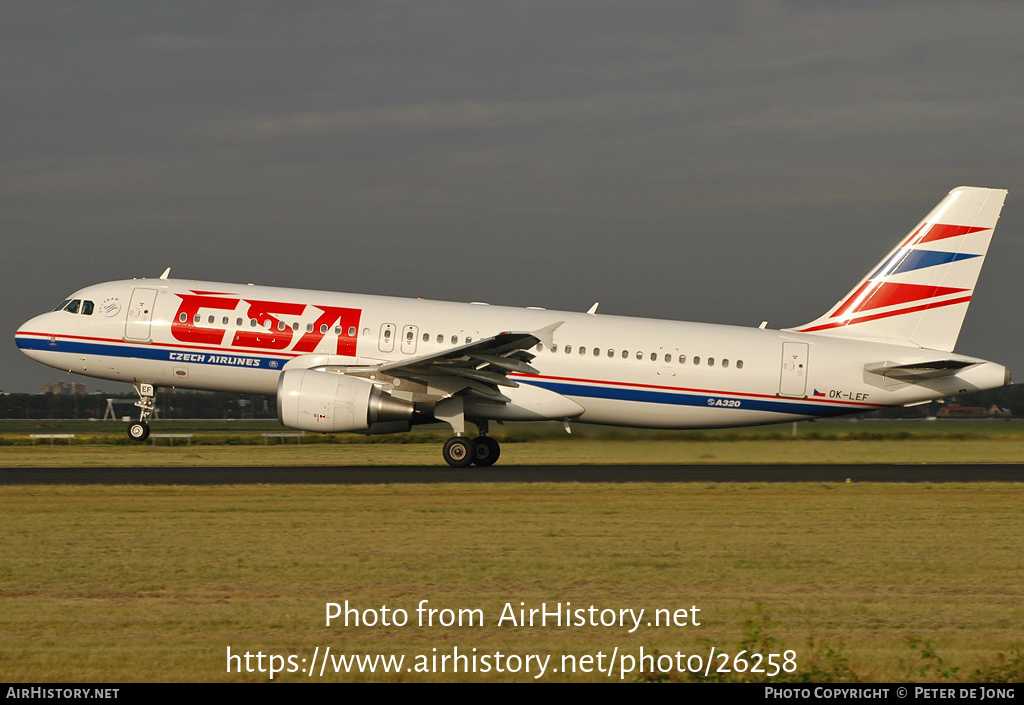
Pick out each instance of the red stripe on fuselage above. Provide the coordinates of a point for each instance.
(205, 348)
(693, 390)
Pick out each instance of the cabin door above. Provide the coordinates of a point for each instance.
(140, 315)
(794, 370)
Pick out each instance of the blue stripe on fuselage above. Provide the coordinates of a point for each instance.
(710, 401)
(78, 347)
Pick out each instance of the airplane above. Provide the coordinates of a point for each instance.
(375, 364)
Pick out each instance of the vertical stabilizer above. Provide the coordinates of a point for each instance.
(918, 295)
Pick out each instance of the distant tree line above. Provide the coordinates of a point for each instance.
(228, 405)
(172, 405)
(1010, 399)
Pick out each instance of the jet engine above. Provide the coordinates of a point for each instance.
(326, 402)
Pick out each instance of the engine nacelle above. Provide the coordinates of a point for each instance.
(326, 402)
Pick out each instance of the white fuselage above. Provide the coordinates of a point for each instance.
(619, 370)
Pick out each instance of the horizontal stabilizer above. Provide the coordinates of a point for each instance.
(918, 370)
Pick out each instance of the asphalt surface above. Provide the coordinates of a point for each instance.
(546, 473)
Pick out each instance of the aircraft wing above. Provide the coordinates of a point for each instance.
(477, 368)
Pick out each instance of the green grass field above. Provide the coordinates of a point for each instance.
(554, 452)
(242, 443)
(867, 582)
(155, 583)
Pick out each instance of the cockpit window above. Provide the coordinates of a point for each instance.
(63, 303)
(73, 306)
(87, 307)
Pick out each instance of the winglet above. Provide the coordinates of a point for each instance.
(167, 273)
(593, 309)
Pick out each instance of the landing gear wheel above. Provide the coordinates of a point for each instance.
(458, 452)
(138, 431)
(485, 451)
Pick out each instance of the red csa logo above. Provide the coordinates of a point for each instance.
(270, 333)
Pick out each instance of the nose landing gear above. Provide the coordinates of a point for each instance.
(139, 431)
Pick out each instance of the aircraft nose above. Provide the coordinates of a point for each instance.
(36, 324)
(32, 335)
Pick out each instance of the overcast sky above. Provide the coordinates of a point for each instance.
(714, 161)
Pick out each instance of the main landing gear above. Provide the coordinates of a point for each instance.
(461, 452)
(139, 431)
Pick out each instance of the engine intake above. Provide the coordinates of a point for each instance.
(326, 402)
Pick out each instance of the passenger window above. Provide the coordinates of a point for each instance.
(583, 350)
(408, 335)
(352, 332)
(625, 354)
(455, 339)
(210, 320)
(597, 351)
(554, 348)
(309, 327)
(440, 338)
(540, 346)
(639, 355)
(323, 329)
(611, 353)
(568, 349)
(654, 357)
(295, 326)
(281, 325)
(682, 359)
(696, 359)
(337, 330)
(426, 337)
(196, 318)
(725, 362)
(739, 364)
(183, 317)
(252, 322)
(87, 308)
(668, 357)
(238, 322)
(224, 321)
(711, 362)
(468, 339)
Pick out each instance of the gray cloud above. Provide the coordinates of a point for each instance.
(708, 161)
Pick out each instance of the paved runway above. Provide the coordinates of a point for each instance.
(511, 473)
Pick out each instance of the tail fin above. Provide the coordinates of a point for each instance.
(918, 295)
